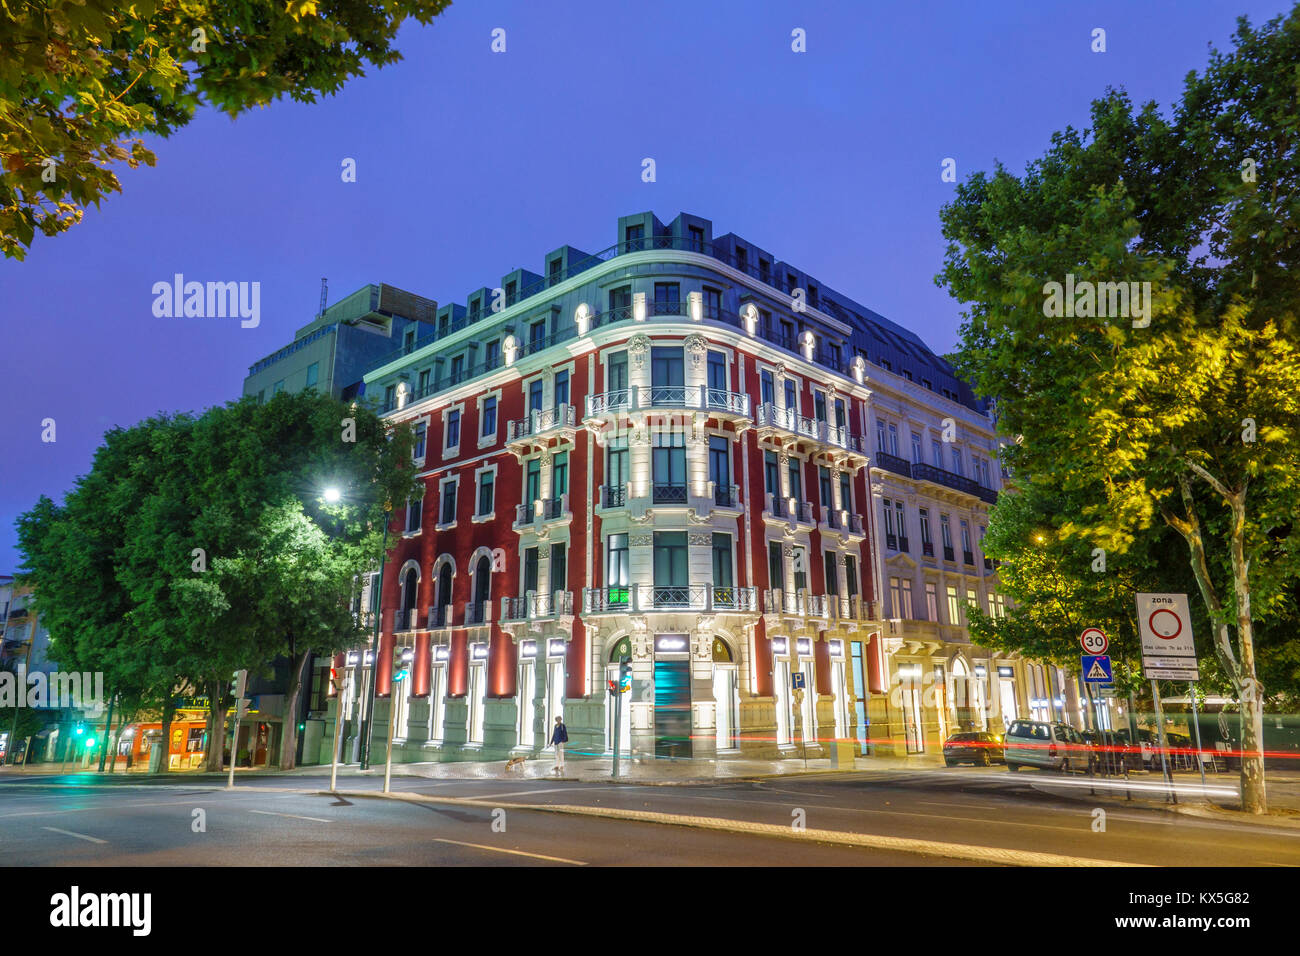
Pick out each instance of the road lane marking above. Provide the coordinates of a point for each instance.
(520, 793)
(296, 816)
(497, 849)
(79, 836)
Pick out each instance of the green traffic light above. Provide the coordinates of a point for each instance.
(90, 742)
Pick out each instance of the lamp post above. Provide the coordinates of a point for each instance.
(388, 764)
(379, 616)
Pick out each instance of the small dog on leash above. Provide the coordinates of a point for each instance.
(515, 762)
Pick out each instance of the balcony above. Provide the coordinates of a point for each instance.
(537, 607)
(645, 598)
(849, 608)
(605, 406)
(726, 496)
(613, 496)
(837, 521)
(478, 614)
(405, 620)
(948, 479)
(440, 616)
(927, 549)
(780, 424)
(789, 511)
(543, 510)
(522, 434)
(968, 557)
(948, 554)
(903, 544)
(899, 466)
(668, 494)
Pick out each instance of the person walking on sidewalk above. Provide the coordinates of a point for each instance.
(559, 737)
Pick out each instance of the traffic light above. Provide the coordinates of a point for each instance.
(80, 728)
(625, 675)
(239, 685)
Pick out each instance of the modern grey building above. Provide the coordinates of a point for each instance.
(333, 351)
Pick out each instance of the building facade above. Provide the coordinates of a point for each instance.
(669, 453)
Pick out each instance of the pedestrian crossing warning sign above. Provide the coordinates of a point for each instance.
(1096, 668)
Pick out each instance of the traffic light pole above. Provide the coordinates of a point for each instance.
(374, 664)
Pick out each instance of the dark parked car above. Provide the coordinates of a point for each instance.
(977, 747)
(1108, 751)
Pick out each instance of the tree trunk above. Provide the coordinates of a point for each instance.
(1254, 799)
(117, 739)
(289, 734)
(216, 727)
(169, 709)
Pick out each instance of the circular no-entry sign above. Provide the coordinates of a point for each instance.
(1094, 640)
(1165, 624)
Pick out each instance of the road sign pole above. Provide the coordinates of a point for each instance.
(1160, 739)
(338, 737)
(618, 723)
(1196, 723)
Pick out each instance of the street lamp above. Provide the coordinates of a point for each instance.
(332, 495)
(379, 616)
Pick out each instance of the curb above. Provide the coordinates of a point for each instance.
(978, 854)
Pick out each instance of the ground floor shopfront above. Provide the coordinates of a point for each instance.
(701, 686)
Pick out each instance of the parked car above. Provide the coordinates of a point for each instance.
(977, 747)
(1049, 745)
(1146, 755)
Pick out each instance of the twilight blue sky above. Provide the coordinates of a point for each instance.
(471, 164)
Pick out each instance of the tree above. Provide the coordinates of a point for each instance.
(82, 81)
(1186, 409)
(168, 502)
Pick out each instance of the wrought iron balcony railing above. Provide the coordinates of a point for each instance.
(726, 496)
(440, 615)
(655, 597)
(669, 494)
(543, 509)
(899, 466)
(534, 607)
(539, 421)
(695, 397)
(613, 496)
(478, 613)
(923, 472)
(406, 619)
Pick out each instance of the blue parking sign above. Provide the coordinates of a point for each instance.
(796, 680)
(1096, 668)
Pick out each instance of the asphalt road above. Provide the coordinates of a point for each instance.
(275, 821)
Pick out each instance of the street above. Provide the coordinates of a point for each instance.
(906, 818)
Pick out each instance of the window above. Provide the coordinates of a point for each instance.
(489, 416)
(936, 453)
(787, 334)
(486, 482)
(796, 485)
(632, 235)
(712, 303)
(965, 537)
(824, 489)
(453, 428)
(616, 473)
(413, 509)
(916, 448)
(954, 608)
(423, 387)
(851, 575)
(775, 566)
(907, 599)
(697, 238)
(956, 462)
(421, 434)
(668, 466)
(902, 526)
(561, 388)
(765, 270)
(819, 406)
(535, 396)
(895, 597)
(408, 341)
(617, 374)
(771, 479)
(560, 474)
(972, 599)
(668, 298)
(444, 322)
(890, 529)
(767, 388)
(390, 394)
(927, 545)
(742, 259)
(722, 579)
(555, 270)
(880, 436)
(532, 484)
(559, 567)
(832, 573)
(846, 492)
(530, 570)
(893, 440)
(617, 575)
(457, 369)
(492, 354)
(717, 375)
(946, 531)
(313, 370)
(670, 569)
(666, 367)
(931, 601)
(791, 396)
(448, 501)
(537, 335)
(720, 470)
(511, 291)
(800, 568)
(619, 300)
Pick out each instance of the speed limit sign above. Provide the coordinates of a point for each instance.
(1094, 641)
